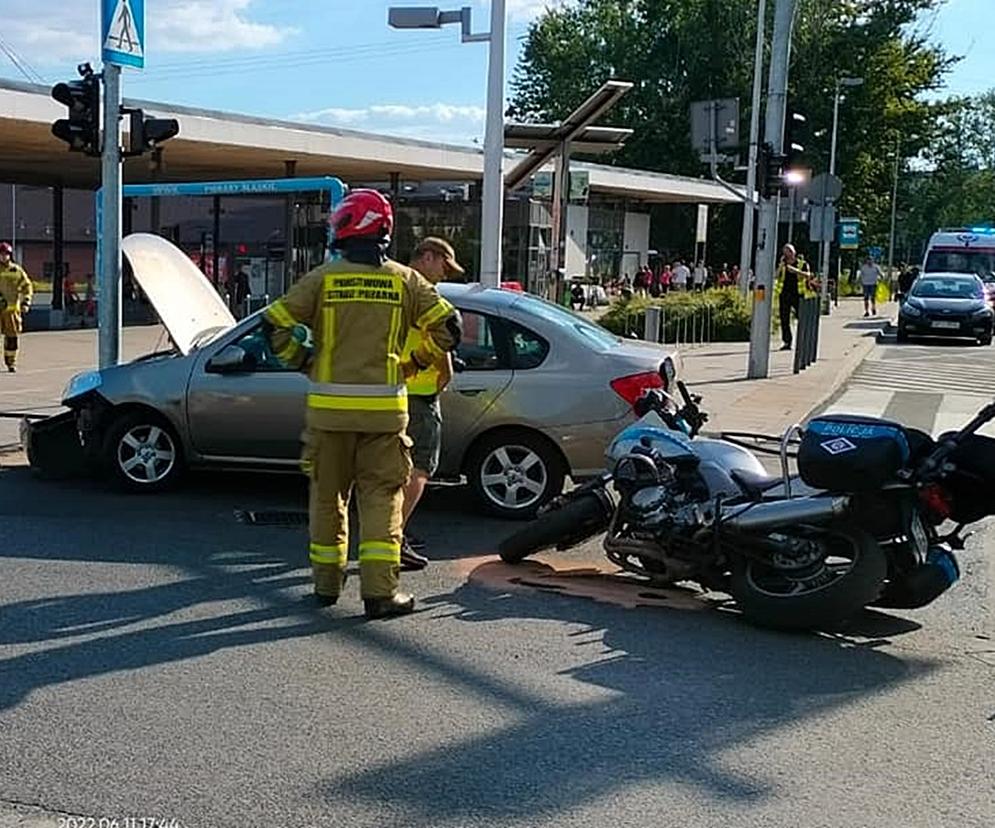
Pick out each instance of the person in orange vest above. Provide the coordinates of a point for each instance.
(16, 292)
(434, 259)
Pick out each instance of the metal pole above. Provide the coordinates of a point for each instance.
(492, 207)
(824, 256)
(894, 213)
(109, 315)
(777, 93)
(749, 208)
(58, 245)
(791, 215)
(561, 196)
(290, 171)
(13, 217)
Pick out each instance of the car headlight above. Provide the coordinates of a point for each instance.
(911, 310)
(668, 373)
(82, 384)
(981, 313)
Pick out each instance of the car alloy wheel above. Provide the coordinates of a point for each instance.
(513, 477)
(146, 454)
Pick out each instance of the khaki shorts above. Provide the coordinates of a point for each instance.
(425, 430)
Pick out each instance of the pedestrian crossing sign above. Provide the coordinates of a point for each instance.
(123, 31)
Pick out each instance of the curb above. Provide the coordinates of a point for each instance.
(850, 364)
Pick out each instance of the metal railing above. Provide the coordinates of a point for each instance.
(696, 328)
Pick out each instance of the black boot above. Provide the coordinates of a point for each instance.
(400, 603)
(325, 600)
(411, 561)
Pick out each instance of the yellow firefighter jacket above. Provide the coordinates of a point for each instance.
(360, 316)
(15, 287)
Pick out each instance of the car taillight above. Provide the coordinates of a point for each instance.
(630, 387)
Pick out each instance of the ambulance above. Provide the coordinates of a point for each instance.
(965, 250)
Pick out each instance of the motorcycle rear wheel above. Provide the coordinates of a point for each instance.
(818, 597)
(574, 522)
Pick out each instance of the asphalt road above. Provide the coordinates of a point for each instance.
(157, 657)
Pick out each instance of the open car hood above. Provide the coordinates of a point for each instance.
(185, 300)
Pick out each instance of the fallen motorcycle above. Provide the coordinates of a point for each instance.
(859, 525)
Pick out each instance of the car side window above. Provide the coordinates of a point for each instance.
(256, 345)
(481, 346)
(528, 349)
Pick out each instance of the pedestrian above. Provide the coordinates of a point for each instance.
(870, 275)
(240, 288)
(793, 277)
(16, 292)
(734, 275)
(905, 282)
(357, 311)
(666, 277)
(639, 282)
(700, 276)
(90, 298)
(577, 297)
(682, 275)
(435, 259)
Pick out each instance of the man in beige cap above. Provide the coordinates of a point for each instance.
(435, 259)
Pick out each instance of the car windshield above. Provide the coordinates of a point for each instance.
(938, 288)
(979, 262)
(567, 320)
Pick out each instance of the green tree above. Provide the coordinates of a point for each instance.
(679, 51)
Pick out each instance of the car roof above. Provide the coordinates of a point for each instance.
(477, 296)
(942, 274)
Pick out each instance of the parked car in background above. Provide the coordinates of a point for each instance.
(949, 305)
(538, 395)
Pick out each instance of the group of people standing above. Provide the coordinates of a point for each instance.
(679, 276)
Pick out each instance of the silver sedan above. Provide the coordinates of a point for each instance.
(538, 394)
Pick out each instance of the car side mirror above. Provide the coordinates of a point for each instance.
(459, 365)
(232, 359)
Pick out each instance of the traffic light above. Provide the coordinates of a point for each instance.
(145, 134)
(770, 171)
(81, 130)
(794, 136)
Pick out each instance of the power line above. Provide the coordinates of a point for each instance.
(379, 47)
(20, 63)
(319, 59)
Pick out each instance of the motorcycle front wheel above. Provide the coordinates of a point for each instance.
(848, 577)
(574, 522)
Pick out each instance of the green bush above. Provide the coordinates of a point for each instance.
(724, 311)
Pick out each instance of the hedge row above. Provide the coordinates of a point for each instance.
(724, 311)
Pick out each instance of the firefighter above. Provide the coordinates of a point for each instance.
(15, 301)
(356, 312)
(434, 259)
(794, 281)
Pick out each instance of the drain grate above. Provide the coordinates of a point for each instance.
(272, 517)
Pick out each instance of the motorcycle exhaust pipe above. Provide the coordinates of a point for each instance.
(784, 513)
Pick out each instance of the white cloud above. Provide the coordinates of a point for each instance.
(451, 123)
(43, 36)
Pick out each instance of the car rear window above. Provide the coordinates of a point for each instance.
(568, 321)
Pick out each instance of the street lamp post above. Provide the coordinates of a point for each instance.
(824, 258)
(492, 201)
(894, 212)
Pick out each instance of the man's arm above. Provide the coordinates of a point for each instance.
(289, 319)
(439, 323)
(25, 290)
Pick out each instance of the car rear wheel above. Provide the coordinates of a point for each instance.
(514, 473)
(143, 453)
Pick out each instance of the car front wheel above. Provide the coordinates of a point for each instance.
(143, 453)
(514, 473)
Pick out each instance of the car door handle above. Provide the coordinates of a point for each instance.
(471, 392)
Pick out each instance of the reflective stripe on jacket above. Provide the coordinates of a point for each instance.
(360, 317)
(805, 289)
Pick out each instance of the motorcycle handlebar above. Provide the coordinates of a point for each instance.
(934, 461)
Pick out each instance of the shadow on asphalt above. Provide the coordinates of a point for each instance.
(684, 689)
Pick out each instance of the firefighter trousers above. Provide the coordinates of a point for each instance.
(376, 467)
(10, 328)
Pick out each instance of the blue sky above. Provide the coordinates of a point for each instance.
(336, 62)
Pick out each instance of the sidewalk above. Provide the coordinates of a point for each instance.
(769, 406)
(48, 359)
